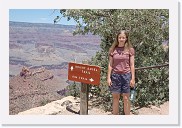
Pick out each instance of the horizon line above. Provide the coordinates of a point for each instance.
(41, 23)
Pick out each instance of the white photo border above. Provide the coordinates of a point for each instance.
(171, 119)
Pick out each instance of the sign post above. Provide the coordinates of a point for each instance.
(84, 99)
(86, 74)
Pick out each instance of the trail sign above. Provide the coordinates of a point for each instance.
(84, 73)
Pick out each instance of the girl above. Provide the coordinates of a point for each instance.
(121, 71)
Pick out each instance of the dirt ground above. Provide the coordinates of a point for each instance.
(153, 110)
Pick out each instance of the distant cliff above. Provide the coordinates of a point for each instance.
(35, 89)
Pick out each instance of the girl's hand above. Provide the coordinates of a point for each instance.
(132, 83)
(109, 82)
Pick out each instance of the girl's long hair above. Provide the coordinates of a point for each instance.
(127, 44)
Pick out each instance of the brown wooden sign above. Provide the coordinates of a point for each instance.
(84, 73)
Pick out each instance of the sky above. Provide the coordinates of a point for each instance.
(37, 16)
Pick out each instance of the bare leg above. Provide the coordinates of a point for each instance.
(126, 101)
(115, 105)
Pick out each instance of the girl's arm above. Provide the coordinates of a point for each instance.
(132, 66)
(109, 69)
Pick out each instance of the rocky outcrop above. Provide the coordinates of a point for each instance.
(32, 88)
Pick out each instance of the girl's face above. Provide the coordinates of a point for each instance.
(122, 38)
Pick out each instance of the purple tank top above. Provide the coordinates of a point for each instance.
(121, 60)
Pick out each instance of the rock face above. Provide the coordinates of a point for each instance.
(29, 91)
(66, 106)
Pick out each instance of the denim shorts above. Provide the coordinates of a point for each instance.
(120, 83)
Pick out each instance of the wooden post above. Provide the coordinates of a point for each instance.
(84, 96)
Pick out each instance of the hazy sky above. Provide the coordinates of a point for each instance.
(37, 16)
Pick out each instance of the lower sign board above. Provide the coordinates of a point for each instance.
(84, 73)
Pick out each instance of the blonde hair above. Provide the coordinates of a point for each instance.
(127, 44)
